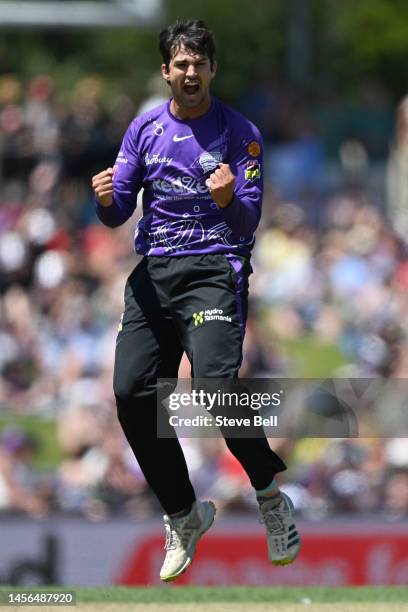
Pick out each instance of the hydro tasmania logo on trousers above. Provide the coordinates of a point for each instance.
(213, 314)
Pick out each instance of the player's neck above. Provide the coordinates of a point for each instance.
(183, 112)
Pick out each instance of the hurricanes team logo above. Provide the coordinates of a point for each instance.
(210, 161)
(198, 318)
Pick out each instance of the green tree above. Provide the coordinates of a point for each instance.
(350, 39)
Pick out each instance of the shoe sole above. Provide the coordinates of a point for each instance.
(209, 519)
(288, 560)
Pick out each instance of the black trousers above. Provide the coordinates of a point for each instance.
(169, 308)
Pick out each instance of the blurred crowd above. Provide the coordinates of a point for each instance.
(331, 267)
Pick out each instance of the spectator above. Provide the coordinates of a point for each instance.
(339, 285)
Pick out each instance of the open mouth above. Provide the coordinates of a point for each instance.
(191, 88)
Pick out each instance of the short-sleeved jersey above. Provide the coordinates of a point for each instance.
(171, 159)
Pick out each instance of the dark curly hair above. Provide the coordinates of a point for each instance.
(193, 34)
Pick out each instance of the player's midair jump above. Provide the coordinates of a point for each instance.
(199, 163)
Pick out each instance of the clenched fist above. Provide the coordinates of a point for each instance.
(102, 185)
(221, 185)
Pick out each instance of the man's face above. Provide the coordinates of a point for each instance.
(189, 75)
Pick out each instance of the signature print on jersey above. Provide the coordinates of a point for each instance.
(178, 233)
(190, 231)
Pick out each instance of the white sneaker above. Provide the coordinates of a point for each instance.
(182, 535)
(283, 537)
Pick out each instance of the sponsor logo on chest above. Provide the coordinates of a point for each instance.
(156, 158)
(180, 185)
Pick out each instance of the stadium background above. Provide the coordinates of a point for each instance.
(325, 82)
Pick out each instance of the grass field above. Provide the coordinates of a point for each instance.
(233, 599)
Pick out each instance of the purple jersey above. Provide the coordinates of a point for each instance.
(171, 159)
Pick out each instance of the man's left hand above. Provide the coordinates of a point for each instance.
(221, 185)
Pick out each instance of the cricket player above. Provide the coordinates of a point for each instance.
(199, 163)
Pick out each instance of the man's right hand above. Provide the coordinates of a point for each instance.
(102, 185)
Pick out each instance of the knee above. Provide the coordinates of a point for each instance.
(212, 365)
(129, 389)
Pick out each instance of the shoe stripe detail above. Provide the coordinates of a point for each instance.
(290, 544)
(292, 527)
(293, 535)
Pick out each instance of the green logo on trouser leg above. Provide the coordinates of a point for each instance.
(198, 317)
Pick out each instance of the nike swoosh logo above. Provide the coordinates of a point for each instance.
(180, 138)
